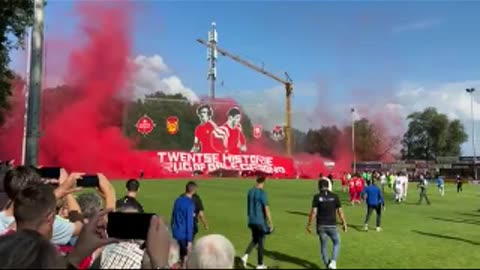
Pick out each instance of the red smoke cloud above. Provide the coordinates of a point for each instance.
(81, 130)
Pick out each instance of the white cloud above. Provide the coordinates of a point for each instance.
(152, 75)
(417, 25)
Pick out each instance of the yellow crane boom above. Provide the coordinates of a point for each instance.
(288, 91)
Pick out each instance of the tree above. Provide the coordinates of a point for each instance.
(323, 140)
(431, 134)
(368, 140)
(15, 17)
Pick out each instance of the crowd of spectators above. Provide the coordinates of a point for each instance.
(52, 223)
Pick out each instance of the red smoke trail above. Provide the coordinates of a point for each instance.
(81, 129)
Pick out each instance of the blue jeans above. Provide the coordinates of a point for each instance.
(324, 233)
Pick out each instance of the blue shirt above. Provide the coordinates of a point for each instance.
(256, 202)
(440, 181)
(182, 219)
(374, 195)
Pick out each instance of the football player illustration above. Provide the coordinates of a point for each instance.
(233, 129)
(209, 138)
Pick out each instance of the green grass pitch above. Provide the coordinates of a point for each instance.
(445, 234)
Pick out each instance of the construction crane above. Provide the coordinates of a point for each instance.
(288, 90)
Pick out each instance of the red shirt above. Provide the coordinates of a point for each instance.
(352, 184)
(359, 184)
(236, 138)
(85, 264)
(210, 138)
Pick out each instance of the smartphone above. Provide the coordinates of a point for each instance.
(88, 181)
(128, 225)
(49, 172)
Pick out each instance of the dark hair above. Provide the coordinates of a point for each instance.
(27, 249)
(320, 175)
(19, 178)
(205, 106)
(190, 187)
(261, 179)
(132, 185)
(322, 184)
(33, 203)
(233, 111)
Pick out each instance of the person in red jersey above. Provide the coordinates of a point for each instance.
(352, 189)
(359, 185)
(209, 138)
(233, 129)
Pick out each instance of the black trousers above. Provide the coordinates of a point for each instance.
(423, 195)
(378, 210)
(459, 187)
(258, 238)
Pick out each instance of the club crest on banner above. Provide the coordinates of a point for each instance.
(277, 134)
(257, 131)
(145, 125)
(172, 125)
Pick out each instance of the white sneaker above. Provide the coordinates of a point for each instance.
(379, 229)
(262, 266)
(332, 265)
(365, 228)
(244, 260)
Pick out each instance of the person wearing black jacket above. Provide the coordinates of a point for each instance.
(130, 200)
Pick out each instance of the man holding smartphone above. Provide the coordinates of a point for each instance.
(182, 220)
(325, 206)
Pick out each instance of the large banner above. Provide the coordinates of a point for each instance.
(220, 146)
(181, 162)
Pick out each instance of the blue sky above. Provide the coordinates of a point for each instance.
(343, 52)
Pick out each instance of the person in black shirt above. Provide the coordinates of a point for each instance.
(199, 214)
(459, 184)
(130, 200)
(325, 206)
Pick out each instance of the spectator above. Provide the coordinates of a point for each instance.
(131, 198)
(199, 214)
(322, 177)
(28, 250)
(374, 201)
(34, 209)
(325, 206)
(21, 177)
(212, 252)
(182, 220)
(4, 168)
(259, 221)
(90, 204)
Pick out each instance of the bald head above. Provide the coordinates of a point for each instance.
(213, 251)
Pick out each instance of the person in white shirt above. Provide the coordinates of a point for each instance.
(383, 181)
(398, 188)
(405, 186)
